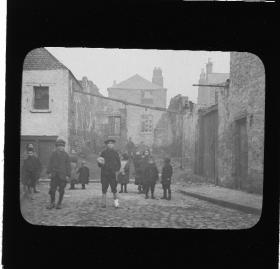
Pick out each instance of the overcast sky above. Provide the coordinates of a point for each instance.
(180, 69)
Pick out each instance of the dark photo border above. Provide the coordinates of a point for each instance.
(217, 26)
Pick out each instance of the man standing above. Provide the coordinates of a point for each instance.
(110, 164)
(59, 170)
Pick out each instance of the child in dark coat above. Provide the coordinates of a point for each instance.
(83, 173)
(166, 175)
(123, 176)
(150, 178)
(31, 170)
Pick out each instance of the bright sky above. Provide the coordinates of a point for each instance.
(180, 69)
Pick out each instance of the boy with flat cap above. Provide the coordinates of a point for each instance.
(109, 162)
(59, 170)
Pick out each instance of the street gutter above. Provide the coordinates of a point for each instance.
(243, 208)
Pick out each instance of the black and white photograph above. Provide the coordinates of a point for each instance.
(142, 138)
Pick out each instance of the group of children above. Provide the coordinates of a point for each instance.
(62, 169)
(146, 174)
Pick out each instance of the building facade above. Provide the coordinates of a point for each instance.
(241, 124)
(50, 108)
(140, 122)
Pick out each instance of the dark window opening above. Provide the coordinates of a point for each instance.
(41, 97)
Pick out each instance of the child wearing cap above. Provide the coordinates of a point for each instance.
(166, 175)
(109, 162)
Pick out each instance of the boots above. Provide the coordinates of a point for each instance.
(164, 195)
(52, 202)
(58, 206)
(103, 200)
(125, 188)
(121, 191)
(169, 195)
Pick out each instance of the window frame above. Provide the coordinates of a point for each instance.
(34, 109)
(147, 120)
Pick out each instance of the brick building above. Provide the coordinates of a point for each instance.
(140, 122)
(50, 108)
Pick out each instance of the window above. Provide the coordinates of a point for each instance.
(41, 97)
(147, 98)
(114, 125)
(147, 123)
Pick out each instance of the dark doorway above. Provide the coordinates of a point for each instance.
(207, 146)
(241, 153)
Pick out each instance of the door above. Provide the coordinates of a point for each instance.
(241, 157)
(209, 146)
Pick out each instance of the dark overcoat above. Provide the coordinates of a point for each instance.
(31, 169)
(124, 178)
(59, 165)
(83, 175)
(111, 166)
(150, 173)
(166, 175)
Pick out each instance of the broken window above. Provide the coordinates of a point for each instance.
(147, 123)
(41, 97)
(114, 125)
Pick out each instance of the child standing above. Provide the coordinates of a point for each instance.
(83, 173)
(31, 170)
(166, 175)
(123, 176)
(150, 178)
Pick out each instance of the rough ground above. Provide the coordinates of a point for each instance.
(83, 208)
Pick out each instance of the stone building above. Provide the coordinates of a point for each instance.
(207, 96)
(50, 109)
(241, 124)
(140, 122)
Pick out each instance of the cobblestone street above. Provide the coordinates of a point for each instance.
(83, 208)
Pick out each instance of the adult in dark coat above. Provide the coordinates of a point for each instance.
(31, 169)
(110, 164)
(59, 170)
(150, 178)
(131, 148)
(166, 175)
(136, 162)
(142, 167)
(83, 173)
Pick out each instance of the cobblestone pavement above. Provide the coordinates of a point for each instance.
(83, 208)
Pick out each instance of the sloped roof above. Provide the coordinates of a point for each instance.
(216, 78)
(41, 59)
(136, 82)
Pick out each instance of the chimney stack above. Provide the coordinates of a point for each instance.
(157, 76)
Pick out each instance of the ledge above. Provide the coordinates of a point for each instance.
(40, 111)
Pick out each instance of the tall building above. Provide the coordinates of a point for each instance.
(140, 122)
(207, 96)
